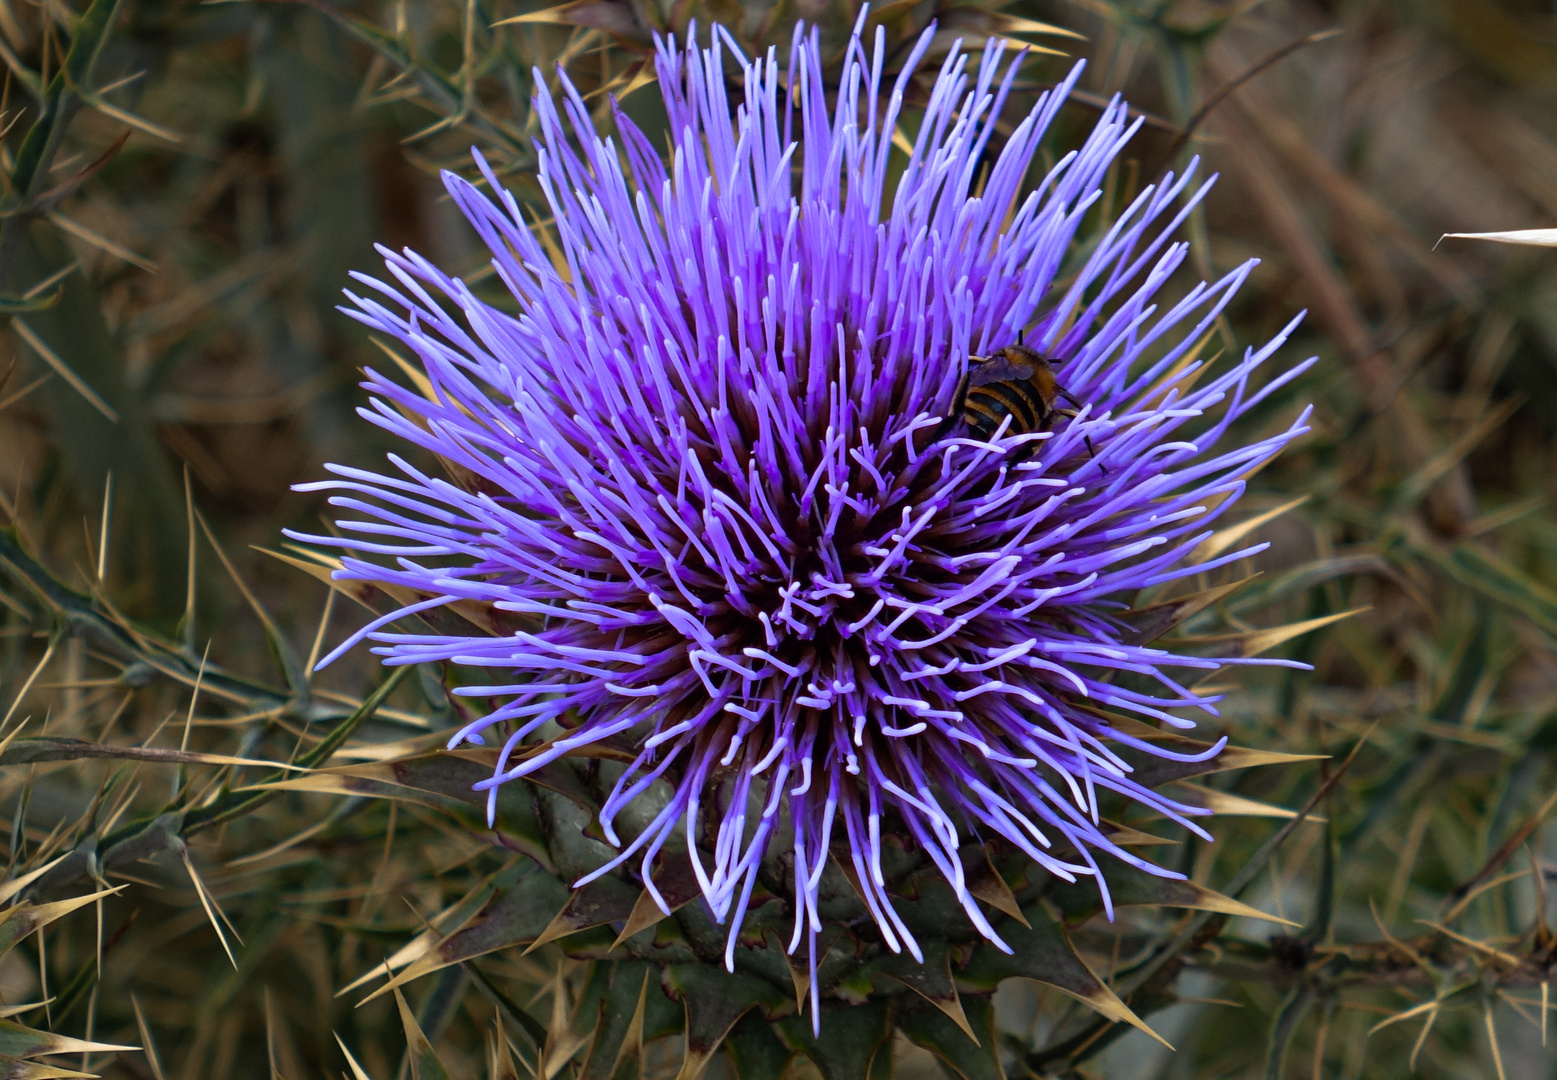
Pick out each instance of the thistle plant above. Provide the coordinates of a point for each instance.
(307, 834)
(711, 460)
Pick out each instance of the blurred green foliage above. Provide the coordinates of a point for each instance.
(187, 186)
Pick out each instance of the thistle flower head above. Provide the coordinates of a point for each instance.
(706, 455)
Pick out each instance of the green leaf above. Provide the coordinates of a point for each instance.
(514, 916)
(17, 922)
(619, 1029)
(758, 1054)
(677, 885)
(1131, 886)
(1324, 889)
(418, 1048)
(714, 1001)
(851, 1037)
(1492, 577)
(604, 900)
(1151, 622)
(1469, 672)
(90, 33)
(931, 980)
(142, 649)
(1152, 771)
(532, 1028)
(957, 1049)
(615, 18)
(1284, 1026)
(1042, 951)
(563, 820)
(441, 94)
(21, 1042)
(104, 418)
(17, 305)
(16, 1069)
(26, 751)
(1300, 579)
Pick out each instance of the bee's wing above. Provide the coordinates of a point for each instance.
(985, 370)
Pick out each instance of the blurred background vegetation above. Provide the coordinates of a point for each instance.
(187, 186)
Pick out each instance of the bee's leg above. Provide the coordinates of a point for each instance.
(1091, 450)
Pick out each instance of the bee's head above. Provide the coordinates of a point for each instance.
(1021, 354)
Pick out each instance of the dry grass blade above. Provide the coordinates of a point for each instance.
(1546, 992)
(16, 885)
(7, 402)
(1230, 804)
(501, 1055)
(62, 369)
(39, 749)
(1335, 306)
(1531, 237)
(21, 693)
(1231, 86)
(52, 280)
(1264, 640)
(148, 1044)
(48, 200)
(1462, 894)
(187, 623)
(1424, 477)
(324, 625)
(271, 1040)
(1225, 539)
(212, 910)
(632, 1043)
(107, 519)
(99, 241)
(297, 678)
(285, 845)
(128, 118)
(1492, 1037)
(562, 1041)
(1394, 942)
(1421, 1037)
(357, 1071)
(1481, 947)
(1415, 1010)
(194, 697)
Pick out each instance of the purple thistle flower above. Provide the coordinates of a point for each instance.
(709, 462)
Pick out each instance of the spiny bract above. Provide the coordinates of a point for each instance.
(702, 456)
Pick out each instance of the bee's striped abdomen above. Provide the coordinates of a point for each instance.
(985, 407)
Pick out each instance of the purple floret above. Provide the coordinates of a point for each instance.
(705, 456)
